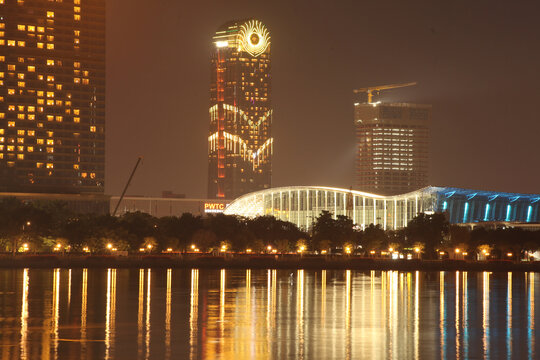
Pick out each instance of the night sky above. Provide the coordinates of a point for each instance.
(477, 62)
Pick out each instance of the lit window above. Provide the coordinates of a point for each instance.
(50, 117)
(77, 17)
(11, 107)
(31, 133)
(50, 46)
(50, 150)
(50, 38)
(20, 140)
(31, 28)
(21, 27)
(58, 86)
(59, 118)
(92, 128)
(50, 166)
(21, 43)
(50, 14)
(50, 78)
(40, 45)
(50, 142)
(2, 115)
(50, 133)
(40, 29)
(39, 141)
(31, 68)
(11, 42)
(11, 67)
(39, 165)
(21, 84)
(31, 108)
(20, 156)
(76, 166)
(50, 62)
(50, 94)
(77, 80)
(40, 101)
(77, 119)
(30, 149)
(76, 111)
(20, 75)
(10, 148)
(11, 91)
(20, 116)
(31, 117)
(40, 93)
(11, 124)
(77, 32)
(76, 9)
(93, 175)
(85, 81)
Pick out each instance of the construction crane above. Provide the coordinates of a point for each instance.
(127, 184)
(377, 89)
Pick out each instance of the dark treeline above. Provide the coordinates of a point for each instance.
(49, 226)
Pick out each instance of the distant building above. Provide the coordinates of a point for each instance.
(393, 146)
(240, 144)
(52, 96)
(168, 206)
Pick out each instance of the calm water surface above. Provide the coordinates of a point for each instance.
(267, 314)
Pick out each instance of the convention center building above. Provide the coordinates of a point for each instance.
(302, 205)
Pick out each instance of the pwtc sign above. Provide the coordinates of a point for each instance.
(214, 207)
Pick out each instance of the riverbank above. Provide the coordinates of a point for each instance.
(258, 262)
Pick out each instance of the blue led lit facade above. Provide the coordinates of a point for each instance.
(302, 204)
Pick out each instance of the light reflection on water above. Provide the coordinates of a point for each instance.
(266, 314)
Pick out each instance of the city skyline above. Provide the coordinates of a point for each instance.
(474, 63)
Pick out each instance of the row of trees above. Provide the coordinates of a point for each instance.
(49, 226)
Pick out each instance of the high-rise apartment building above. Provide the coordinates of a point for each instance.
(52, 96)
(240, 145)
(393, 145)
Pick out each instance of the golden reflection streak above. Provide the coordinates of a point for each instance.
(222, 285)
(56, 309)
(194, 313)
(168, 316)
(509, 349)
(248, 289)
(531, 317)
(441, 314)
(383, 310)
(300, 313)
(110, 315)
(140, 315)
(147, 319)
(323, 296)
(416, 315)
(465, 311)
(348, 313)
(485, 314)
(458, 330)
(84, 299)
(69, 288)
(24, 315)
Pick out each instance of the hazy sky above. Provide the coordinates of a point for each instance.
(477, 62)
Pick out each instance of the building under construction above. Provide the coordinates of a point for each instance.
(393, 143)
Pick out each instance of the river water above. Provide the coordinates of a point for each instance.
(267, 314)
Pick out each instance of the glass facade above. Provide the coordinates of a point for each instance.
(52, 96)
(240, 145)
(302, 205)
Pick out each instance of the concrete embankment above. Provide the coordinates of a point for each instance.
(256, 262)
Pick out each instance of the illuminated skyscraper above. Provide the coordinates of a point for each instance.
(393, 145)
(52, 96)
(240, 145)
